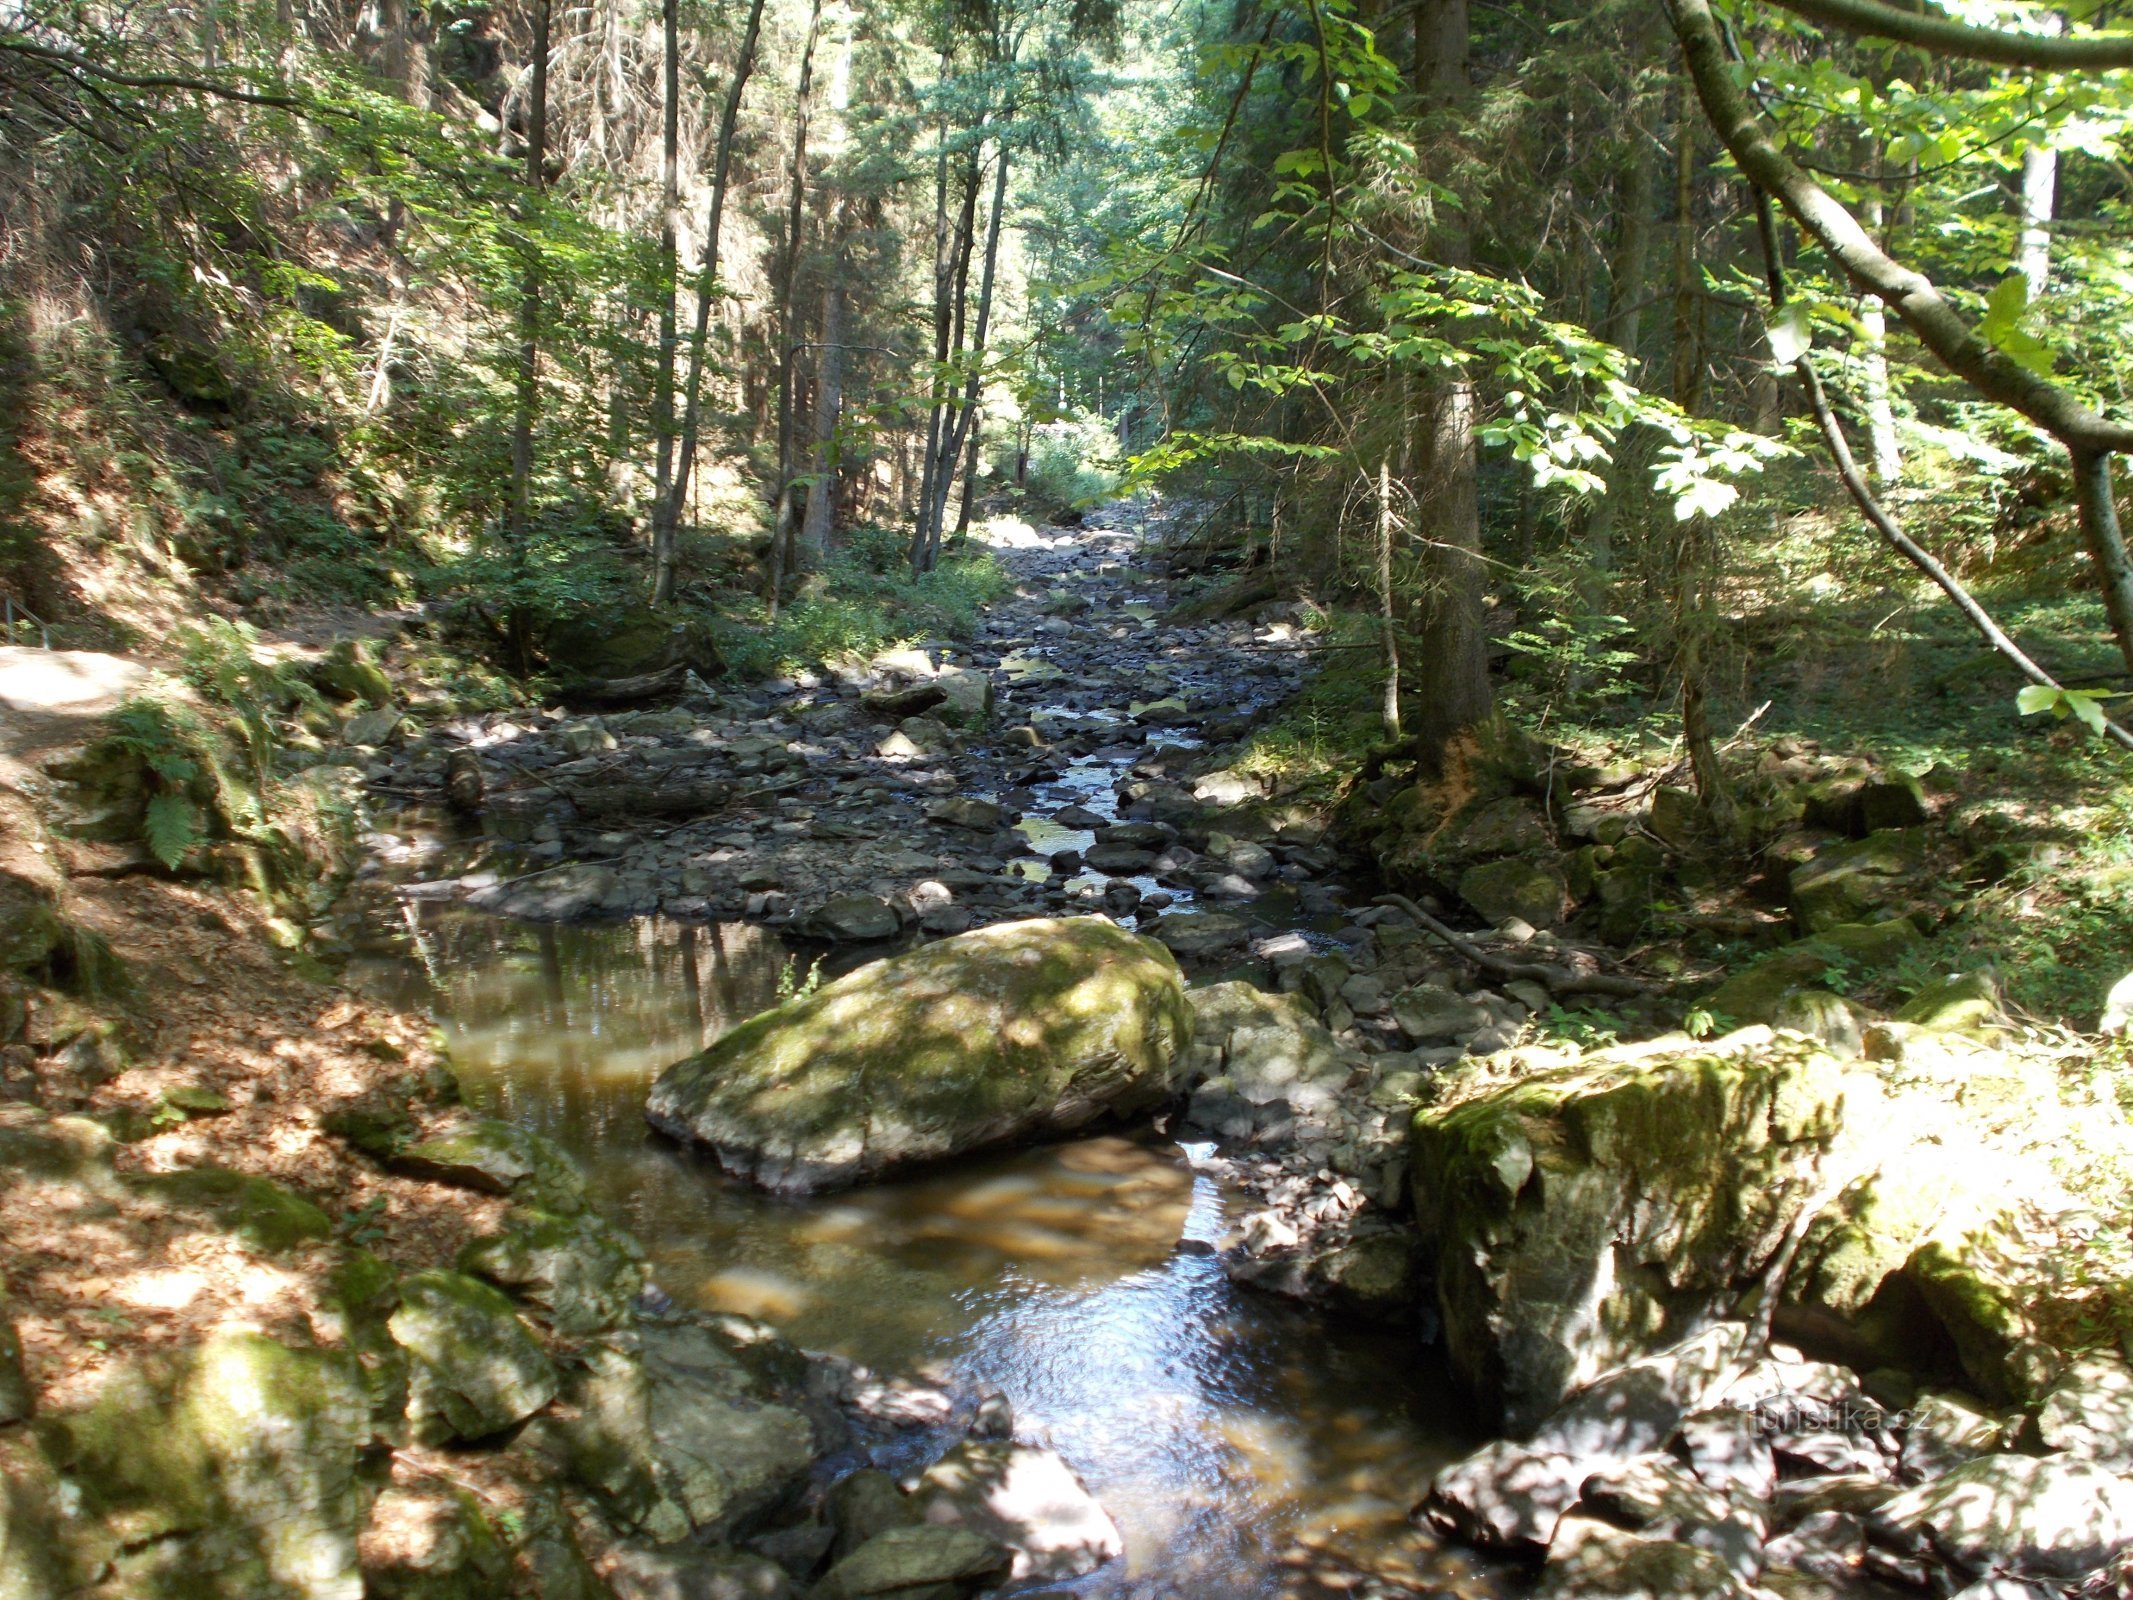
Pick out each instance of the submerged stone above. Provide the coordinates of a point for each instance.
(1012, 1032)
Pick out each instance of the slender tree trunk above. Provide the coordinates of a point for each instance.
(1693, 553)
(527, 403)
(1623, 326)
(669, 262)
(942, 279)
(2040, 188)
(970, 480)
(952, 287)
(668, 513)
(526, 406)
(821, 517)
(1388, 605)
(781, 531)
(1874, 365)
(1452, 669)
(963, 427)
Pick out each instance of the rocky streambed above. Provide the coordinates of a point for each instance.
(1589, 1238)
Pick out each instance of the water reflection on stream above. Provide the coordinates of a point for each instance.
(1245, 1449)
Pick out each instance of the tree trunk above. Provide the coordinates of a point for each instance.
(527, 403)
(952, 291)
(781, 529)
(668, 513)
(669, 265)
(1623, 326)
(821, 516)
(1874, 374)
(1388, 606)
(962, 428)
(1452, 669)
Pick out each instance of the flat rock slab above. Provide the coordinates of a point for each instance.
(1013, 1032)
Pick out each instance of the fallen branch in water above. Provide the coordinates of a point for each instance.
(1555, 979)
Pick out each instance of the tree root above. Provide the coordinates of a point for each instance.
(1574, 979)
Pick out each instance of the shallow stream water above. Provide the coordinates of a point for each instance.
(1247, 1448)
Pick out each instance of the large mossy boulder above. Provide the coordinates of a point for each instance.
(1008, 1033)
(231, 1472)
(1583, 1215)
(630, 644)
(1755, 993)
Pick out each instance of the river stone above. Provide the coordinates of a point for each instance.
(1966, 1000)
(431, 1541)
(1200, 933)
(965, 811)
(724, 1454)
(863, 1504)
(580, 1272)
(1505, 1496)
(1025, 1498)
(1593, 1560)
(497, 1157)
(477, 1370)
(854, 919)
(1578, 1216)
(2053, 1517)
(1943, 1432)
(1500, 890)
(231, 1473)
(966, 697)
(1017, 1031)
(371, 727)
(1430, 1013)
(913, 1562)
(1268, 1046)
(1118, 860)
(2089, 1413)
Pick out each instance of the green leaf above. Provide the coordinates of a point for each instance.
(2034, 698)
(169, 829)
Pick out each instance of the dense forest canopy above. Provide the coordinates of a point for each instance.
(1538, 348)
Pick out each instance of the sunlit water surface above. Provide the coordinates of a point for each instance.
(1246, 1448)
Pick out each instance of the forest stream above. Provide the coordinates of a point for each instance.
(1246, 1446)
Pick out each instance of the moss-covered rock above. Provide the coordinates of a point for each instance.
(431, 1540)
(1533, 891)
(350, 671)
(477, 1369)
(497, 1157)
(675, 1435)
(40, 1554)
(230, 1473)
(1967, 1000)
(1858, 881)
(581, 1273)
(1583, 1215)
(1010, 1032)
(1753, 993)
(15, 1396)
(261, 1213)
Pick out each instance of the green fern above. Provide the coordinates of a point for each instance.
(169, 827)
